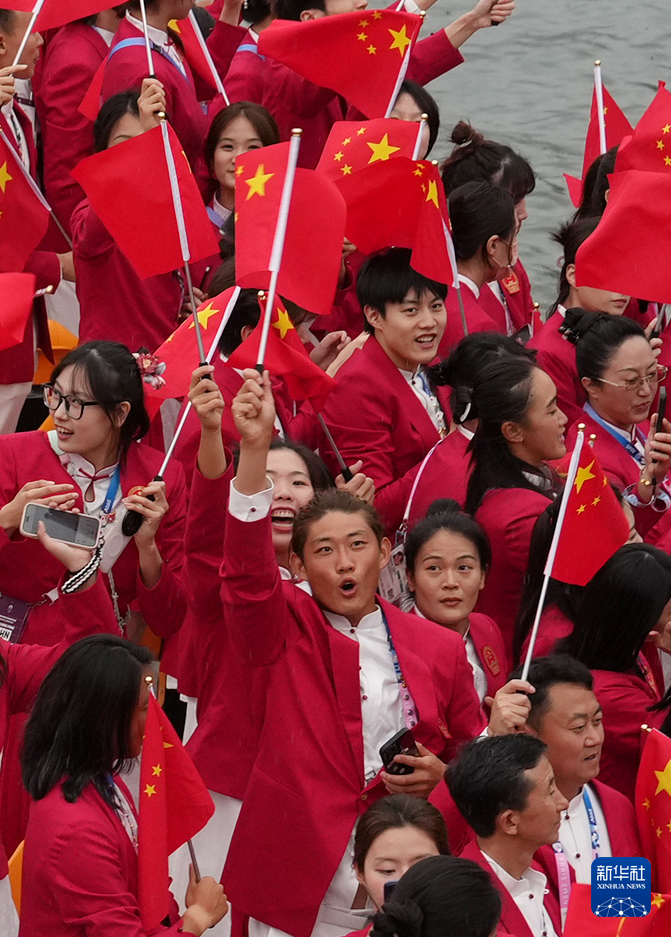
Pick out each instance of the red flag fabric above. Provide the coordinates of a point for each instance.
(653, 806)
(594, 525)
(628, 253)
(582, 922)
(194, 47)
(56, 13)
(310, 244)
(400, 203)
(360, 55)
(129, 189)
(174, 805)
(617, 127)
(650, 145)
(353, 145)
(285, 357)
(17, 291)
(24, 215)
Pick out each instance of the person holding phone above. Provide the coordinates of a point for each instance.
(92, 462)
(344, 676)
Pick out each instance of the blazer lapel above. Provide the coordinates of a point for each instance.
(345, 670)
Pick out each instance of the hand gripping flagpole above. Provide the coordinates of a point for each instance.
(601, 115)
(37, 9)
(278, 242)
(549, 564)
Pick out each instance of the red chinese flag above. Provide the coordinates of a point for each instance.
(24, 215)
(361, 56)
(310, 244)
(649, 147)
(582, 922)
(56, 13)
(617, 128)
(353, 145)
(653, 806)
(194, 47)
(129, 189)
(400, 203)
(594, 525)
(17, 291)
(286, 357)
(629, 251)
(174, 806)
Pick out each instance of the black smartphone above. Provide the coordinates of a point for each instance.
(661, 410)
(403, 743)
(79, 529)
(389, 890)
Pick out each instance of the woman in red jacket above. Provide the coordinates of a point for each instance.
(80, 865)
(625, 605)
(520, 429)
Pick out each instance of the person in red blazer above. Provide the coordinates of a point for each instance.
(70, 63)
(447, 556)
(383, 411)
(329, 708)
(505, 788)
(520, 429)
(80, 865)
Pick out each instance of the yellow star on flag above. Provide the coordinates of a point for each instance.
(284, 323)
(4, 176)
(362, 37)
(664, 779)
(376, 15)
(239, 170)
(667, 161)
(659, 832)
(372, 50)
(346, 170)
(660, 144)
(346, 141)
(401, 40)
(646, 804)
(668, 826)
(338, 156)
(360, 131)
(432, 194)
(204, 315)
(174, 25)
(149, 790)
(583, 475)
(419, 171)
(168, 745)
(581, 509)
(156, 770)
(658, 901)
(363, 22)
(666, 129)
(257, 183)
(382, 150)
(596, 501)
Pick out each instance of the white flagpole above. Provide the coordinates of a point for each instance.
(549, 564)
(420, 133)
(147, 43)
(278, 242)
(456, 284)
(218, 83)
(33, 19)
(598, 88)
(402, 73)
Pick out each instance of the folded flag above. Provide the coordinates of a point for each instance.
(649, 147)
(57, 13)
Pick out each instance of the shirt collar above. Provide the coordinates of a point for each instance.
(465, 432)
(419, 615)
(473, 287)
(157, 36)
(105, 34)
(531, 880)
(368, 623)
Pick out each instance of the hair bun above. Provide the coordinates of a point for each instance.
(401, 919)
(443, 506)
(577, 322)
(463, 133)
(463, 400)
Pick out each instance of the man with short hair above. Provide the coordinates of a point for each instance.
(505, 789)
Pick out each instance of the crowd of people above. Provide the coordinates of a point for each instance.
(377, 764)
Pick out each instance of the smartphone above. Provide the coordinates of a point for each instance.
(661, 409)
(78, 529)
(403, 743)
(389, 890)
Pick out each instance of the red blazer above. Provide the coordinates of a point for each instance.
(445, 475)
(517, 290)
(247, 73)
(489, 645)
(622, 833)
(375, 416)
(556, 356)
(27, 573)
(71, 61)
(554, 625)
(310, 761)
(624, 698)
(82, 870)
(346, 313)
(512, 920)
(477, 318)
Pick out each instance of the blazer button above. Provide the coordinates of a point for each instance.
(364, 796)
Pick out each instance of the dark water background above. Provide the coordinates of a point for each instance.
(528, 83)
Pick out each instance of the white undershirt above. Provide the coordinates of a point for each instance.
(106, 34)
(471, 284)
(161, 39)
(17, 132)
(575, 835)
(528, 893)
(428, 400)
(479, 678)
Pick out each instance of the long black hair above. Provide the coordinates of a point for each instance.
(480, 210)
(473, 157)
(570, 235)
(427, 105)
(114, 108)
(79, 731)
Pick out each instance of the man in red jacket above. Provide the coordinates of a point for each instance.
(505, 789)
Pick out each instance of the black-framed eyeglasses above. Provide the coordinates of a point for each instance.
(74, 407)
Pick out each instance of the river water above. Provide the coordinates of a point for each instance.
(528, 83)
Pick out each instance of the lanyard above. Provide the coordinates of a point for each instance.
(110, 497)
(127, 43)
(407, 702)
(563, 871)
(648, 675)
(620, 437)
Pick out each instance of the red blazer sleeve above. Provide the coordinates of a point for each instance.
(90, 237)
(518, 533)
(222, 43)
(432, 57)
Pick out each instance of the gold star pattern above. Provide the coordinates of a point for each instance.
(360, 131)
(581, 509)
(284, 323)
(583, 475)
(664, 779)
(150, 790)
(419, 171)
(605, 110)
(239, 170)
(658, 832)
(363, 22)
(666, 129)
(346, 170)
(377, 15)
(401, 40)
(596, 501)
(4, 177)
(668, 826)
(372, 50)
(156, 770)
(338, 156)
(257, 183)
(346, 141)
(362, 37)
(660, 144)
(432, 194)
(658, 901)
(667, 160)
(382, 150)
(204, 315)
(646, 804)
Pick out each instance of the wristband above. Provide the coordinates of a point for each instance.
(76, 580)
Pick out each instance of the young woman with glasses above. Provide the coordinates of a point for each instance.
(619, 371)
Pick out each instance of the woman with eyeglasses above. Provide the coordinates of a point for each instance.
(92, 462)
(484, 229)
(618, 369)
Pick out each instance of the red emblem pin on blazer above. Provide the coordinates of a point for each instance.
(511, 283)
(491, 660)
(442, 728)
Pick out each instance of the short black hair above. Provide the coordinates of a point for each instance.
(473, 157)
(488, 777)
(329, 501)
(387, 277)
(454, 521)
(114, 108)
(292, 9)
(479, 210)
(546, 672)
(427, 105)
(246, 313)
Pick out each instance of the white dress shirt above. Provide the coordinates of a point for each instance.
(528, 893)
(106, 34)
(575, 835)
(479, 678)
(471, 284)
(429, 401)
(17, 132)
